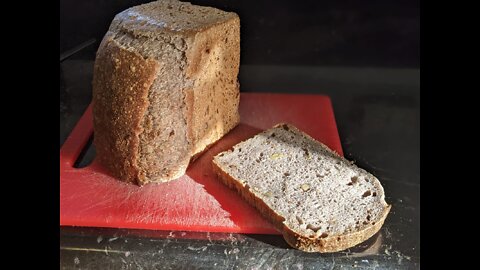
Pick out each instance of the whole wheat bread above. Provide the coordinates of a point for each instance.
(320, 201)
(165, 87)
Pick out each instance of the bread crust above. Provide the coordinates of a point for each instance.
(121, 83)
(331, 243)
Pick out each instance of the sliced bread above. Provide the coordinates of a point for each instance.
(165, 87)
(318, 200)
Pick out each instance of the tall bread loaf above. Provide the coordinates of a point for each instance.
(165, 87)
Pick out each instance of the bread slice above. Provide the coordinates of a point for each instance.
(165, 87)
(318, 200)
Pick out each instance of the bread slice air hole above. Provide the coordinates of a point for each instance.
(353, 180)
(300, 220)
(367, 193)
(313, 227)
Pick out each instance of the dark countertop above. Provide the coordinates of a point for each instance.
(378, 116)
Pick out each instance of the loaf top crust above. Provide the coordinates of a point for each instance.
(170, 16)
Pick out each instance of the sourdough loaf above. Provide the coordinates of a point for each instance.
(165, 87)
(320, 201)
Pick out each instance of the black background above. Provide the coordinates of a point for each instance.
(366, 33)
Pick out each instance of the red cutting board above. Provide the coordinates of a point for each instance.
(197, 201)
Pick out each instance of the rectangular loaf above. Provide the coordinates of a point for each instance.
(165, 87)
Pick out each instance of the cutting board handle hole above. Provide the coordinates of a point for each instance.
(86, 156)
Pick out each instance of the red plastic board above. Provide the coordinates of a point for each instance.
(197, 201)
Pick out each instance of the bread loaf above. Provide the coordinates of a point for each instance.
(320, 201)
(165, 87)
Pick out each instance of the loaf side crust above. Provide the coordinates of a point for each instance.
(121, 83)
